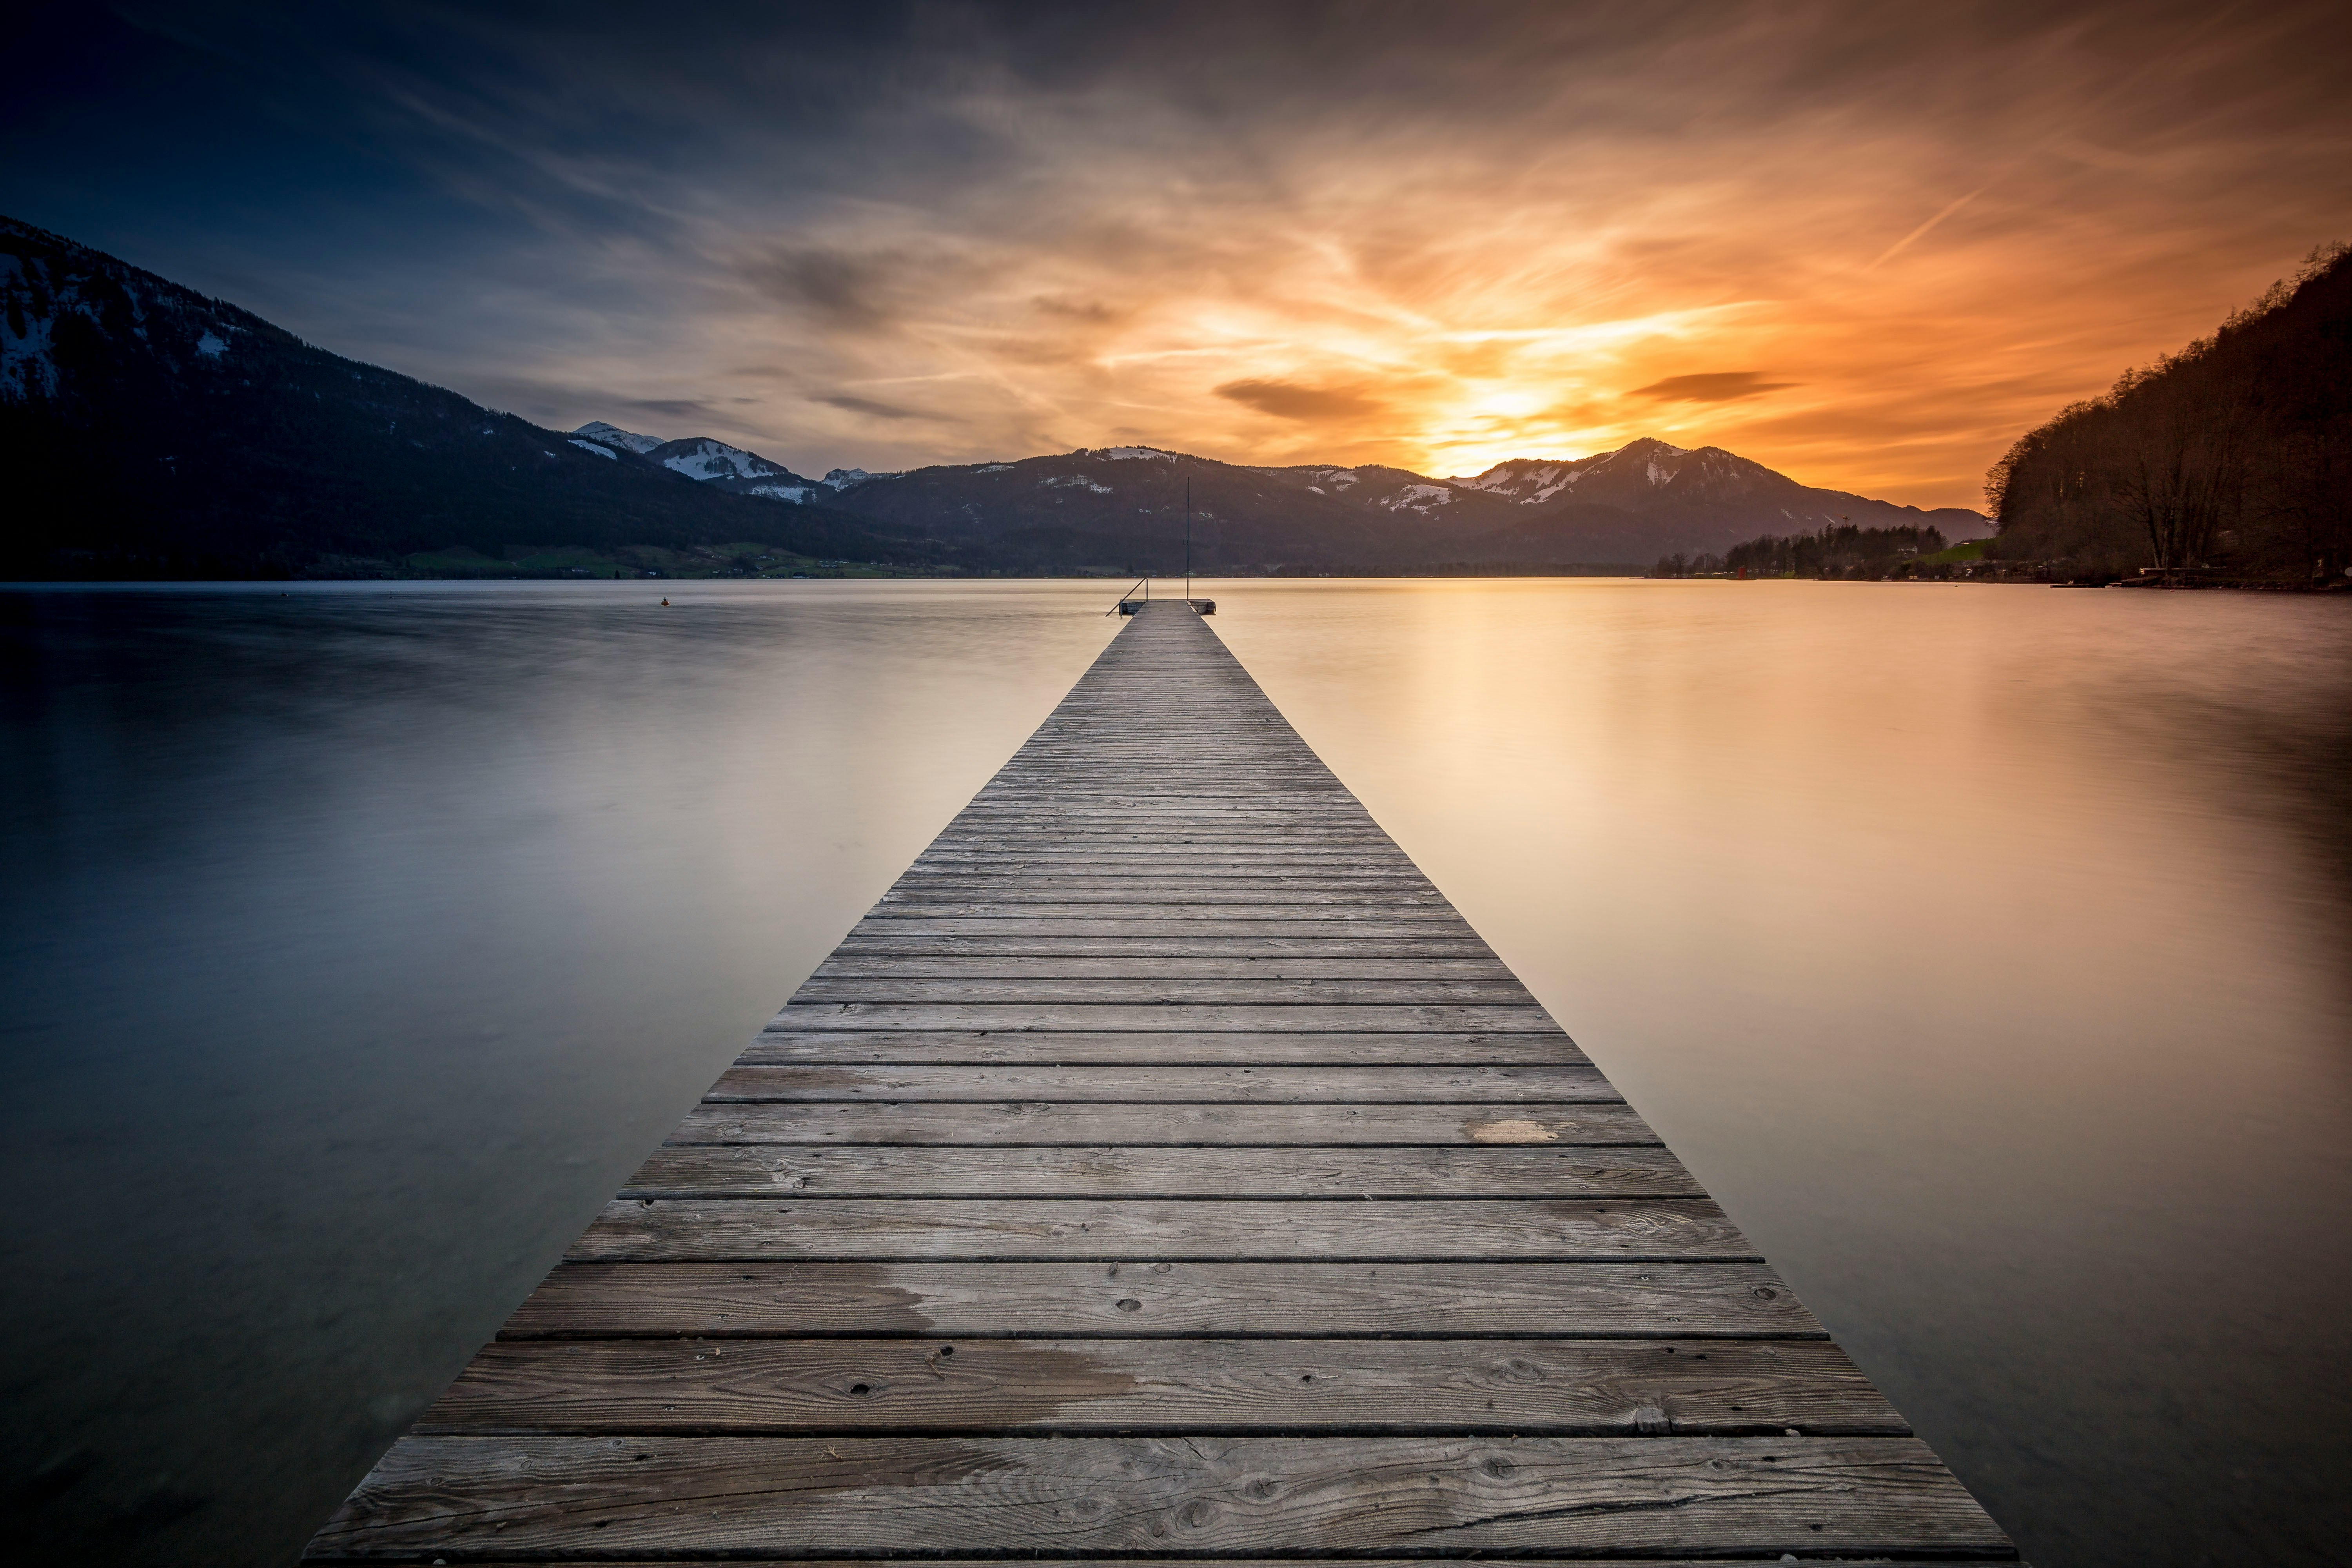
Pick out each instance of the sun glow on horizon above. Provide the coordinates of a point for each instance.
(1553, 231)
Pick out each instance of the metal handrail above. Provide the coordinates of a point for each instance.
(1143, 582)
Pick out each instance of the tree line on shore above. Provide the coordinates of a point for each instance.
(2232, 458)
(1841, 551)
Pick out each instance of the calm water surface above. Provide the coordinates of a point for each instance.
(1988, 951)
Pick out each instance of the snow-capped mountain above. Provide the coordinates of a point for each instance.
(1121, 507)
(712, 462)
(152, 431)
(599, 433)
(1645, 500)
(149, 431)
(1717, 498)
(1368, 487)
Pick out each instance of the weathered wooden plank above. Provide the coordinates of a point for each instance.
(1568, 1083)
(1070, 823)
(1464, 1017)
(1939, 1561)
(1045, 1121)
(1205, 876)
(1246, 991)
(1284, 1298)
(1186, 871)
(1304, 890)
(1577, 1387)
(848, 964)
(972, 1229)
(1202, 1496)
(1292, 890)
(1176, 919)
(1167, 854)
(1176, 836)
(911, 941)
(1412, 934)
(890, 1171)
(1068, 789)
(1073, 1047)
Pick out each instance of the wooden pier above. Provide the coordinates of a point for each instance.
(1163, 1169)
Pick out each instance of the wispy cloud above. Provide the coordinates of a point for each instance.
(887, 235)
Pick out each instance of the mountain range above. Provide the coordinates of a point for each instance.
(150, 431)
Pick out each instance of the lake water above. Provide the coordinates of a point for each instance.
(1988, 951)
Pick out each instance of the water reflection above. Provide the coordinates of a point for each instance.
(360, 943)
(1982, 948)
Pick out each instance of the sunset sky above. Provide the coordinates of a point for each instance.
(1864, 243)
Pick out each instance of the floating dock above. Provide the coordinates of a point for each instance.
(1163, 1169)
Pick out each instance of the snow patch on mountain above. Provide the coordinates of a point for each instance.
(613, 436)
(1150, 453)
(1530, 481)
(701, 458)
(34, 295)
(1419, 498)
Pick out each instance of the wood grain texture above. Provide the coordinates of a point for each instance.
(1354, 1561)
(974, 1228)
(892, 1171)
(1393, 966)
(1142, 1047)
(912, 940)
(1115, 914)
(1288, 1298)
(1247, 991)
(1162, 1172)
(1165, 1385)
(1048, 1122)
(1139, 1085)
(1207, 1495)
(1300, 1016)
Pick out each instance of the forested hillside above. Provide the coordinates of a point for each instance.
(2233, 454)
(148, 431)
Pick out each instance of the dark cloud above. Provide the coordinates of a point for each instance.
(1290, 400)
(846, 291)
(1714, 387)
(870, 409)
(667, 407)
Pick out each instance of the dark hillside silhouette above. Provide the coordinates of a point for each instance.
(149, 431)
(2234, 454)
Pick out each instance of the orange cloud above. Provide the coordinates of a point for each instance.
(1313, 405)
(1713, 386)
(1439, 248)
